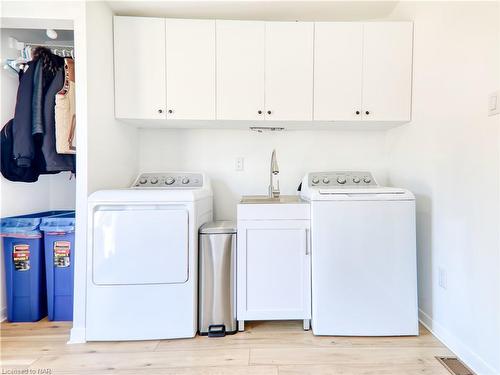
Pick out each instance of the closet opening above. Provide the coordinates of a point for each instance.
(38, 121)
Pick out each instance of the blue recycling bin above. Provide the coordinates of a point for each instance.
(25, 266)
(59, 243)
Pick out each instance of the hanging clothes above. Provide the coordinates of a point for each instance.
(28, 116)
(65, 112)
(37, 100)
(23, 146)
(28, 141)
(8, 166)
(54, 162)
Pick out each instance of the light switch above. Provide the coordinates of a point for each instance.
(493, 104)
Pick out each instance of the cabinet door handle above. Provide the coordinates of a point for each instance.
(307, 242)
(268, 112)
(160, 111)
(367, 112)
(357, 112)
(170, 111)
(259, 112)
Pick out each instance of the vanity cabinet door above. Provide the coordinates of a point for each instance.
(139, 61)
(273, 270)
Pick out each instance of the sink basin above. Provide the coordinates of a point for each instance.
(264, 199)
(261, 207)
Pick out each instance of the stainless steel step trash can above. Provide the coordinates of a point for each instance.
(217, 275)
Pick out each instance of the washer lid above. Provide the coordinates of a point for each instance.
(368, 194)
(219, 227)
(367, 190)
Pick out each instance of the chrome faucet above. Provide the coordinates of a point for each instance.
(274, 192)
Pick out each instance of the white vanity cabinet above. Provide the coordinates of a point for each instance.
(164, 68)
(363, 71)
(273, 263)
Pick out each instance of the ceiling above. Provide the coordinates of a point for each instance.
(64, 37)
(258, 10)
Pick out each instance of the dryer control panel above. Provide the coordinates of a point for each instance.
(341, 179)
(171, 180)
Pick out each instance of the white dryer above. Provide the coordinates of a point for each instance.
(364, 272)
(142, 262)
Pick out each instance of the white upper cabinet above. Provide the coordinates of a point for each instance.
(190, 67)
(387, 71)
(338, 57)
(139, 61)
(247, 71)
(289, 71)
(240, 70)
(362, 71)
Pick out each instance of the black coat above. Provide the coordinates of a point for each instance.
(23, 146)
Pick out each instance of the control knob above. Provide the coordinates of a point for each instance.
(356, 180)
(367, 180)
(185, 180)
(169, 180)
(154, 180)
(143, 180)
(326, 180)
(315, 180)
(341, 180)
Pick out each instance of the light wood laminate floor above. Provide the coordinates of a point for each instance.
(264, 348)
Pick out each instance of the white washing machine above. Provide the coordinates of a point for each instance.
(142, 264)
(364, 272)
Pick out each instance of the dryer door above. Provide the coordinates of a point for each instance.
(140, 245)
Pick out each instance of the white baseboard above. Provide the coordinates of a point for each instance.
(3, 314)
(461, 350)
(77, 336)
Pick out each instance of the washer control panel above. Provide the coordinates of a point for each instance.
(341, 179)
(168, 180)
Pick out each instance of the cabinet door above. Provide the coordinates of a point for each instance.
(190, 54)
(338, 56)
(289, 71)
(273, 270)
(387, 71)
(240, 70)
(139, 58)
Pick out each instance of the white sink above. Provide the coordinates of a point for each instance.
(264, 199)
(262, 207)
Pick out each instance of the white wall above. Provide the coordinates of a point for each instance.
(298, 152)
(110, 157)
(449, 156)
(112, 152)
(49, 192)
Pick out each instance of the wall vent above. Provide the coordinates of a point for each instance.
(455, 366)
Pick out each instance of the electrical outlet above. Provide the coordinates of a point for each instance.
(442, 279)
(239, 164)
(494, 103)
